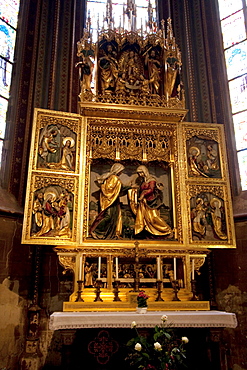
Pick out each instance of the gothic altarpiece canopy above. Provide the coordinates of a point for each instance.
(130, 195)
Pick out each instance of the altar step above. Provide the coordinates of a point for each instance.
(107, 295)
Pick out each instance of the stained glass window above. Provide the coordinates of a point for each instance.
(233, 26)
(236, 60)
(228, 7)
(97, 11)
(8, 22)
(233, 29)
(9, 11)
(240, 127)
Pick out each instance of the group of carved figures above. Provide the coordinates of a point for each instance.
(145, 199)
(56, 151)
(207, 217)
(204, 164)
(52, 214)
(125, 271)
(130, 72)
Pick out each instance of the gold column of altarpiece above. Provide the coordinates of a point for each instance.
(73, 155)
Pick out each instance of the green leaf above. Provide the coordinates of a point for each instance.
(167, 336)
(156, 336)
(131, 342)
(146, 355)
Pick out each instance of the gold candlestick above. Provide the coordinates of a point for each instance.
(159, 291)
(79, 292)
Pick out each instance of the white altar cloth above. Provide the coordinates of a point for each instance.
(190, 319)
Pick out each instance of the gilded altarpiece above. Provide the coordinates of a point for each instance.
(130, 196)
(111, 192)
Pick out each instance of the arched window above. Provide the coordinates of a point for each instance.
(8, 23)
(233, 26)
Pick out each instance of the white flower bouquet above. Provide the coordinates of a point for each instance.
(161, 350)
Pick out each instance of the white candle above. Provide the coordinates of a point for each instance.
(193, 269)
(99, 267)
(158, 268)
(117, 268)
(175, 268)
(80, 268)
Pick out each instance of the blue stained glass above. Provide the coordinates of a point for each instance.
(3, 109)
(227, 7)
(5, 77)
(242, 161)
(7, 41)
(236, 60)
(233, 29)
(9, 11)
(8, 24)
(238, 94)
(240, 127)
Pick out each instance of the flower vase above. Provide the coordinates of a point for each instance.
(141, 310)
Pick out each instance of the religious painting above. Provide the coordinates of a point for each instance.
(203, 157)
(130, 200)
(208, 218)
(57, 148)
(56, 141)
(52, 212)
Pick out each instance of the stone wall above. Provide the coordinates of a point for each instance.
(231, 295)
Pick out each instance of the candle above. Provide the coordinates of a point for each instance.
(175, 268)
(158, 268)
(99, 267)
(193, 269)
(169, 9)
(117, 268)
(80, 268)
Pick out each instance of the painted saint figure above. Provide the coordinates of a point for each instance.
(108, 223)
(199, 220)
(37, 212)
(217, 218)
(154, 67)
(145, 203)
(109, 70)
(86, 67)
(67, 156)
(63, 216)
(88, 274)
(48, 215)
(48, 148)
(194, 170)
